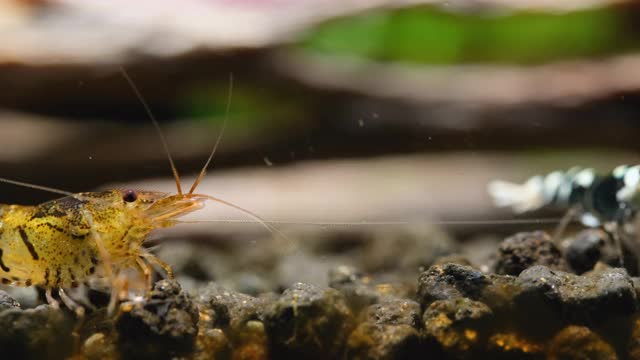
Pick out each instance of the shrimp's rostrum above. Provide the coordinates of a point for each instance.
(55, 244)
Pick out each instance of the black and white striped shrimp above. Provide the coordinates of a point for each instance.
(610, 200)
(596, 198)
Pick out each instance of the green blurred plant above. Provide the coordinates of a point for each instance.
(430, 35)
(251, 109)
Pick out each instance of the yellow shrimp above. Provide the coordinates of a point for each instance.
(57, 244)
(66, 242)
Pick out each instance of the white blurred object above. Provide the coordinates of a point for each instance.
(520, 197)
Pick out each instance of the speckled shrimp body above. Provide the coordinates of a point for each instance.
(57, 244)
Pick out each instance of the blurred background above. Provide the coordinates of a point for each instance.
(342, 111)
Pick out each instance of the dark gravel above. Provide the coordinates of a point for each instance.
(527, 304)
(39, 333)
(588, 248)
(164, 325)
(308, 321)
(450, 281)
(583, 299)
(523, 250)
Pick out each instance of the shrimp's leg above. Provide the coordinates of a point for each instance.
(102, 250)
(154, 259)
(625, 240)
(71, 304)
(81, 298)
(562, 226)
(613, 229)
(79, 310)
(53, 302)
(147, 272)
(104, 255)
(117, 287)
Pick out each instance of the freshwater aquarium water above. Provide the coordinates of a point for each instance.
(319, 179)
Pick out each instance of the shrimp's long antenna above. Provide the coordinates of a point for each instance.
(155, 125)
(385, 223)
(253, 215)
(215, 146)
(37, 187)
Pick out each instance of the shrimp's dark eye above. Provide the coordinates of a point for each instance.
(130, 196)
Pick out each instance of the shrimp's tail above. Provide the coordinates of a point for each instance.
(520, 197)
